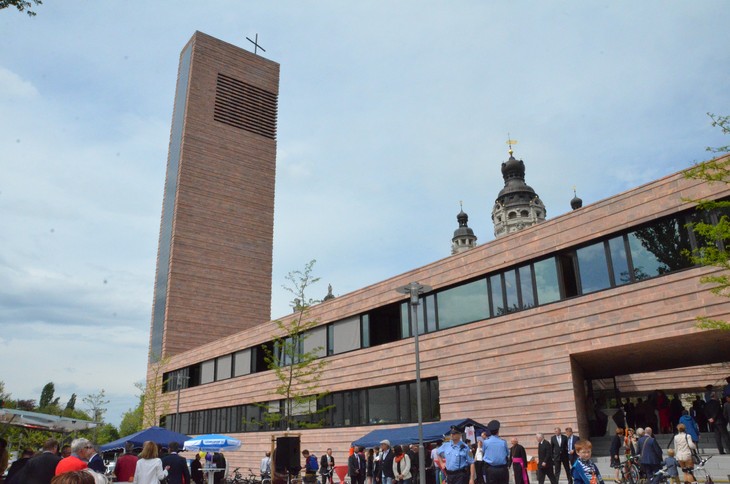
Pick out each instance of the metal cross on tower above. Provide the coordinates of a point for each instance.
(256, 45)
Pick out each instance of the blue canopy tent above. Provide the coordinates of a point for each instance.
(409, 435)
(158, 435)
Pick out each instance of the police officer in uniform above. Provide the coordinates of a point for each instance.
(496, 455)
(458, 459)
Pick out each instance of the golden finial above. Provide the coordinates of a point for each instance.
(510, 142)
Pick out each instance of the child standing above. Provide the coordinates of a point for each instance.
(672, 468)
(584, 470)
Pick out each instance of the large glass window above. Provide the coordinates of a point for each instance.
(346, 335)
(253, 415)
(316, 340)
(526, 291)
(497, 297)
(657, 249)
(287, 350)
(463, 304)
(405, 320)
(510, 290)
(619, 261)
(429, 306)
(404, 413)
(207, 371)
(546, 281)
(223, 369)
(385, 324)
(258, 356)
(593, 268)
(381, 405)
(242, 362)
(365, 330)
(375, 405)
(331, 339)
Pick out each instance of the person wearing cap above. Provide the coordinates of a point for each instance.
(458, 459)
(384, 468)
(496, 454)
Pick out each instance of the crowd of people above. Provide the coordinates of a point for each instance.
(80, 463)
(485, 461)
(708, 414)
(663, 414)
(457, 461)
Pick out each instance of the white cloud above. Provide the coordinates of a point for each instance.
(389, 115)
(14, 87)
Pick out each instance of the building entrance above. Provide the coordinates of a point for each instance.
(682, 365)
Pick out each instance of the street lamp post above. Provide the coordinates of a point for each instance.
(415, 289)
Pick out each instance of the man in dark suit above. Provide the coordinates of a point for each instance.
(651, 454)
(178, 465)
(718, 424)
(17, 466)
(559, 445)
(356, 467)
(327, 467)
(572, 440)
(96, 463)
(41, 468)
(544, 461)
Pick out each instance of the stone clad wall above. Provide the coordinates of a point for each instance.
(524, 368)
(221, 251)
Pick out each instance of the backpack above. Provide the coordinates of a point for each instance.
(313, 463)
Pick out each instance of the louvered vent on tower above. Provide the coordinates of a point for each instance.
(244, 106)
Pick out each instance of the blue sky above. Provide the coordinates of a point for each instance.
(390, 113)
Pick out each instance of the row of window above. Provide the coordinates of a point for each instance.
(652, 250)
(366, 406)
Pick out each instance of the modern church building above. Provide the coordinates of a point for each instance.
(538, 328)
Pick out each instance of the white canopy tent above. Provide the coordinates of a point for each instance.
(42, 421)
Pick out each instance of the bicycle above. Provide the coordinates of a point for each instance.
(252, 478)
(237, 477)
(659, 477)
(701, 467)
(630, 470)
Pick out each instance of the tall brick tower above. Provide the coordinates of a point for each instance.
(214, 258)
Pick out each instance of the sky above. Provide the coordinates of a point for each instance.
(390, 115)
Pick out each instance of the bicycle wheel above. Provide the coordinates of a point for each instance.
(633, 475)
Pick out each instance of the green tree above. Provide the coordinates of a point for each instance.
(716, 237)
(151, 393)
(47, 395)
(21, 5)
(132, 419)
(4, 397)
(298, 371)
(71, 404)
(96, 403)
(106, 433)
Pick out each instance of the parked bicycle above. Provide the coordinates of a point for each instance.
(237, 477)
(630, 470)
(700, 470)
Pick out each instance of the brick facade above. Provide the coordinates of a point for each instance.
(220, 256)
(526, 369)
